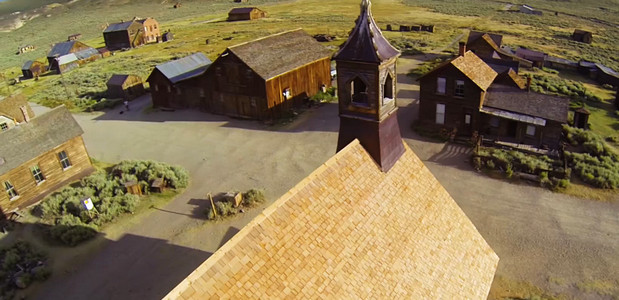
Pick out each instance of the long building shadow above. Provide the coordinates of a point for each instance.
(135, 267)
(140, 111)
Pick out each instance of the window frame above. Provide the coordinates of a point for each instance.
(530, 126)
(441, 89)
(459, 88)
(4, 126)
(64, 159)
(37, 174)
(442, 114)
(10, 190)
(467, 119)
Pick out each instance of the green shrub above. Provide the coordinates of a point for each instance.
(490, 164)
(253, 197)
(21, 262)
(225, 208)
(70, 230)
(508, 171)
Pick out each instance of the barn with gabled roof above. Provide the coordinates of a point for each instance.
(264, 78)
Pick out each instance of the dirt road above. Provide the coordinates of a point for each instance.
(536, 233)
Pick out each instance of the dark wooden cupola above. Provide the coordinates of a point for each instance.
(366, 80)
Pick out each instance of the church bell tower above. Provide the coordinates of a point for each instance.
(366, 81)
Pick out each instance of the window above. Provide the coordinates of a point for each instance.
(531, 130)
(286, 93)
(64, 159)
(10, 189)
(467, 119)
(253, 102)
(440, 85)
(440, 113)
(202, 93)
(156, 88)
(359, 92)
(146, 29)
(37, 174)
(4, 126)
(178, 91)
(169, 89)
(459, 88)
(388, 89)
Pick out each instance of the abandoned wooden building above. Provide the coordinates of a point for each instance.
(529, 10)
(538, 58)
(38, 156)
(74, 37)
(488, 46)
(582, 36)
(131, 34)
(127, 87)
(167, 36)
(32, 69)
(175, 84)
(265, 78)
(415, 223)
(468, 96)
(66, 56)
(24, 49)
(245, 13)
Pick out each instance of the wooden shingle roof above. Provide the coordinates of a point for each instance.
(280, 53)
(351, 231)
(475, 69)
(43, 133)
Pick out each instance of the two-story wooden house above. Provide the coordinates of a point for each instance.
(488, 46)
(38, 156)
(264, 78)
(131, 34)
(467, 95)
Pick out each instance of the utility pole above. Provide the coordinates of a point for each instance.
(62, 79)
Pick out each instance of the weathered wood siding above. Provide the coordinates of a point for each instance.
(53, 63)
(151, 30)
(515, 132)
(185, 94)
(131, 89)
(11, 107)
(55, 176)
(132, 37)
(455, 107)
(303, 82)
(234, 89)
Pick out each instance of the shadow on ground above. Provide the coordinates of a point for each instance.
(159, 267)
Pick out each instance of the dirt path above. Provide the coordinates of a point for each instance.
(536, 233)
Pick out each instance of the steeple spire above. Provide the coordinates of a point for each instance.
(366, 72)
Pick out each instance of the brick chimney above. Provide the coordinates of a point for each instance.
(462, 49)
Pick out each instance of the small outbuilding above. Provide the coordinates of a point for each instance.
(32, 69)
(74, 37)
(127, 87)
(245, 13)
(581, 118)
(529, 10)
(166, 37)
(582, 36)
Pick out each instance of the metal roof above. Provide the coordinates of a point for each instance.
(27, 65)
(117, 79)
(61, 49)
(87, 53)
(65, 59)
(607, 70)
(118, 26)
(184, 68)
(513, 116)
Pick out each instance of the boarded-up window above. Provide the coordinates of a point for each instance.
(440, 113)
(440, 85)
